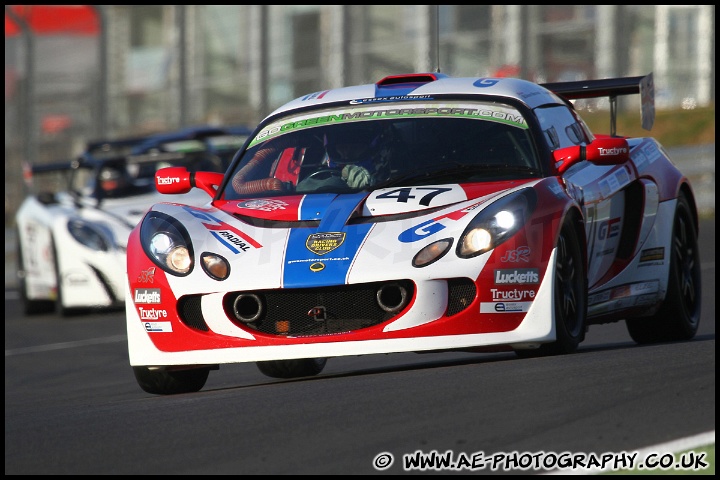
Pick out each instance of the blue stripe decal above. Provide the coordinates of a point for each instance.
(313, 206)
(393, 90)
(305, 268)
(339, 211)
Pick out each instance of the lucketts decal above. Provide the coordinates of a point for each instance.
(147, 295)
(517, 275)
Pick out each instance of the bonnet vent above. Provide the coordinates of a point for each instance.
(410, 78)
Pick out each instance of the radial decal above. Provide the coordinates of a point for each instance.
(234, 239)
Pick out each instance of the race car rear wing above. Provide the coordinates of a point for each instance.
(60, 167)
(611, 88)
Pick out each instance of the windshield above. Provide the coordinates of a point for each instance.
(362, 147)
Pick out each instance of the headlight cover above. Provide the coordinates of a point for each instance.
(215, 266)
(432, 253)
(167, 243)
(496, 223)
(91, 235)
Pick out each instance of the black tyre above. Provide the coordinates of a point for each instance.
(679, 316)
(171, 382)
(301, 367)
(30, 307)
(570, 301)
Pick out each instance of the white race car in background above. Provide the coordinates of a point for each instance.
(72, 230)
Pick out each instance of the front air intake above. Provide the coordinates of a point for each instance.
(318, 311)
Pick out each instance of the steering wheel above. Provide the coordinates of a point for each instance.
(325, 174)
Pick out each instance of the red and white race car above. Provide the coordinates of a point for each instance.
(420, 213)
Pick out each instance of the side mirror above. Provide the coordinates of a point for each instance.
(602, 151)
(173, 180)
(179, 180)
(608, 151)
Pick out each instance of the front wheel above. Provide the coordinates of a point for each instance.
(171, 382)
(299, 367)
(570, 299)
(679, 316)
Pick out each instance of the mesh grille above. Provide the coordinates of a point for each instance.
(317, 311)
(461, 293)
(326, 310)
(191, 314)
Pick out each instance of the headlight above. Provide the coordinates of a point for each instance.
(496, 223)
(167, 243)
(90, 235)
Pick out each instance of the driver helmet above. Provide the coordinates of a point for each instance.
(356, 144)
(112, 179)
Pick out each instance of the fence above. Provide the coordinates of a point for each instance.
(75, 73)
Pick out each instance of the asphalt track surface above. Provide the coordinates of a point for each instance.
(72, 405)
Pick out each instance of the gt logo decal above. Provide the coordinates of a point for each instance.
(609, 229)
(317, 267)
(404, 194)
(485, 82)
(428, 227)
(420, 231)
